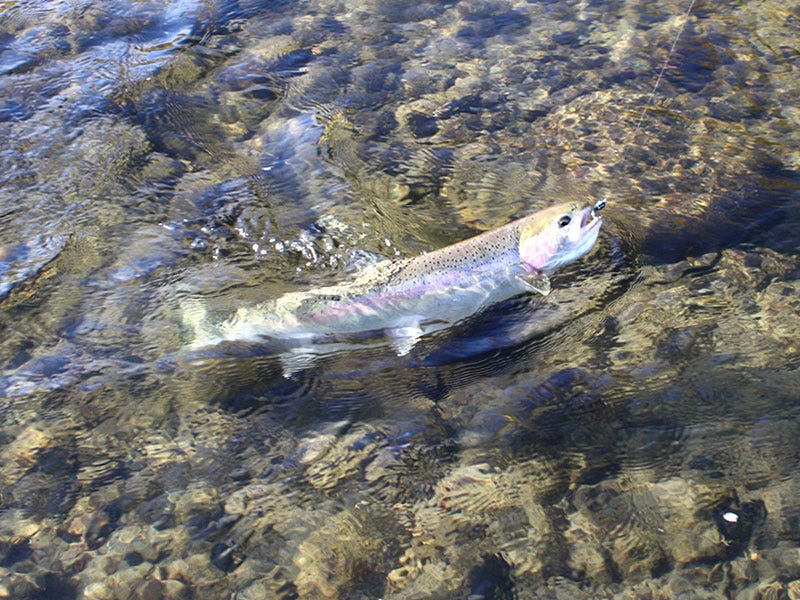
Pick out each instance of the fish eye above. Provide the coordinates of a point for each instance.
(564, 220)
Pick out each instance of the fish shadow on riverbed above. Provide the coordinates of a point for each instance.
(349, 380)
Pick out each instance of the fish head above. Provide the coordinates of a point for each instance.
(557, 236)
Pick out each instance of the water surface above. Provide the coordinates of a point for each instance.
(632, 435)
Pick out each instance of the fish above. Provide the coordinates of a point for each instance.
(400, 301)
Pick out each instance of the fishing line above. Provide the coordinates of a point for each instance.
(651, 99)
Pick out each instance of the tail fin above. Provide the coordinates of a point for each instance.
(194, 317)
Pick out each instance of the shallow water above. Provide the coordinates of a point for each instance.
(632, 435)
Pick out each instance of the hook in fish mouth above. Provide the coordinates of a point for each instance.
(589, 218)
(601, 204)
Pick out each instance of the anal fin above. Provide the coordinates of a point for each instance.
(405, 338)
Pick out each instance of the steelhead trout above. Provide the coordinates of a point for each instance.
(400, 301)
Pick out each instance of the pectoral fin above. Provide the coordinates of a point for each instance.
(536, 282)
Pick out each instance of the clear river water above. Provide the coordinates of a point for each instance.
(632, 435)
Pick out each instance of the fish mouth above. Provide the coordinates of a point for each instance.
(589, 220)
